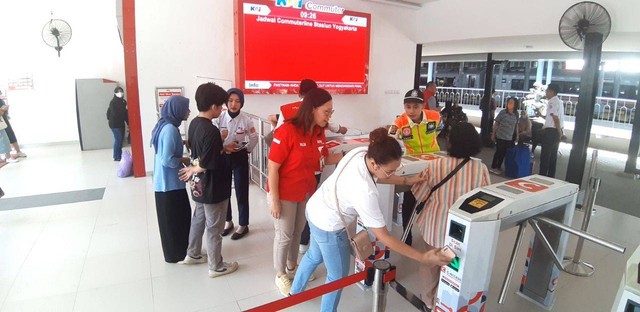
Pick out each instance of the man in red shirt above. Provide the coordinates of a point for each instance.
(431, 103)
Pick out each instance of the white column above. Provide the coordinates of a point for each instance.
(549, 71)
(540, 71)
(430, 72)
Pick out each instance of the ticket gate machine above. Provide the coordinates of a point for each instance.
(472, 232)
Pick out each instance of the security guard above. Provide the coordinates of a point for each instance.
(418, 129)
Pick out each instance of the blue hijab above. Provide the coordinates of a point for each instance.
(173, 112)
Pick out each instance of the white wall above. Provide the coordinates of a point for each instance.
(471, 26)
(47, 113)
(177, 41)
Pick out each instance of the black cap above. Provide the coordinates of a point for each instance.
(414, 95)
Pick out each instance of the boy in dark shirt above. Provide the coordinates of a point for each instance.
(209, 180)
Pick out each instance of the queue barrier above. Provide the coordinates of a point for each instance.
(386, 273)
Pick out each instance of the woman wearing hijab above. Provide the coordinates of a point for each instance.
(172, 201)
(117, 115)
(236, 126)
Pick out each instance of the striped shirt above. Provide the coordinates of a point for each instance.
(432, 222)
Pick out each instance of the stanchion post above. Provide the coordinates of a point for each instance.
(573, 265)
(379, 287)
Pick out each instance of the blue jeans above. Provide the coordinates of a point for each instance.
(334, 250)
(118, 137)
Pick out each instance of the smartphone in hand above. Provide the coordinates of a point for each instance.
(241, 145)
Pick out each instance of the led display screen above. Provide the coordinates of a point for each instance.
(280, 42)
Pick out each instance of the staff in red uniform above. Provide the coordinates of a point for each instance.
(297, 152)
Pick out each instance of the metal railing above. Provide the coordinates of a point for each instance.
(258, 159)
(618, 111)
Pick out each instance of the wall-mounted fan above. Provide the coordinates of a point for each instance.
(583, 18)
(584, 26)
(56, 34)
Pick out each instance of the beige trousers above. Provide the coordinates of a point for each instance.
(288, 231)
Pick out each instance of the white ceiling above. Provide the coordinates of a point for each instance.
(416, 4)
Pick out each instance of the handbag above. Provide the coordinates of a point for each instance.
(361, 246)
(196, 183)
(419, 206)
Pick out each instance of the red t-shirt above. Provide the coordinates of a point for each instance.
(290, 110)
(299, 156)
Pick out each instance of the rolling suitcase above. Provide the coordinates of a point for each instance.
(517, 162)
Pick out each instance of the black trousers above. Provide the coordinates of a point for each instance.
(306, 232)
(550, 142)
(408, 204)
(174, 220)
(240, 170)
(501, 151)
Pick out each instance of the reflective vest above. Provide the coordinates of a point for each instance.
(420, 137)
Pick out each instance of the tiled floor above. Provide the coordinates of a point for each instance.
(106, 256)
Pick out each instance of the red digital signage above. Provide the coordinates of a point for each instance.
(280, 42)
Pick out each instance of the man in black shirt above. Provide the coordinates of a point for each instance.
(209, 180)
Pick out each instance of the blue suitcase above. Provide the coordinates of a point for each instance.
(517, 162)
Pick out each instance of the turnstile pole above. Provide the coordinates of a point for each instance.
(594, 163)
(512, 262)
(592, 173)
(573, 265)
(379, 287)
(576, 232)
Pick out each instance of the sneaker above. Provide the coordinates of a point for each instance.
(190, 260)
(226, 268)
(292, 273)
(284, 285)
(496, 171)
(21, 155)
(12, 160)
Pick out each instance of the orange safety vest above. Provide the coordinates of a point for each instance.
(418, 138)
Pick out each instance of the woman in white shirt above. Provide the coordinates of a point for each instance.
(355, 180)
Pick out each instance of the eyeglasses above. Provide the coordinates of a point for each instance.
(328, 113)
(388, 174)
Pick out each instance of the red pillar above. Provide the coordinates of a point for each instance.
(131, 77)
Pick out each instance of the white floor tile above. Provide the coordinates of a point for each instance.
(39, 281)
(135, 296)
(116, 268)
(110, 241)
(229, 307)
(191, 291)
(60, 303)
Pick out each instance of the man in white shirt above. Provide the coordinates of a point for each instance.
(551, 132)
